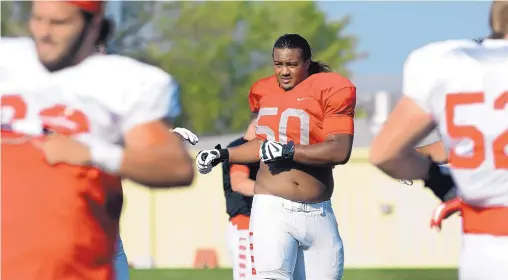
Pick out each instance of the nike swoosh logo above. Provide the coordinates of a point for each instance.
(300, 99)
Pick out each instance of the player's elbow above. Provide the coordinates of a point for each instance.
(185, 174)
(341, 158)
(377, 157)
(341, 154)
(179, 172)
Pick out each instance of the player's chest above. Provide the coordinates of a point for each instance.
(291, 102)
(64, 106)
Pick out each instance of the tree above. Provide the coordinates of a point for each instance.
(218, 49)
(130, 33)
(13, 17)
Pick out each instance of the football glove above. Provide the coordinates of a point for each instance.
(440, 182)
(271, 151)
(445, 210)
(208, 159)
(186, 135)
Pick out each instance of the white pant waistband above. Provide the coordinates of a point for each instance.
(292, 205)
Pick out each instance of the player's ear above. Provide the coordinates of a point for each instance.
(307, 64)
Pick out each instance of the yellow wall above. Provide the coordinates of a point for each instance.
(169, 226)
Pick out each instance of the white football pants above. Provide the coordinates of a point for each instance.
(295, 241)
(238, 245)
(484, 257)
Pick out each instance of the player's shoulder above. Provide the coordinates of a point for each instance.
(330, 80)
(20, 43)
(428, 53)
(130, 72)
(237, 142)
(15, 48)
(266, 84)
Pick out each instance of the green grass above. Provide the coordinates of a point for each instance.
(349, 274)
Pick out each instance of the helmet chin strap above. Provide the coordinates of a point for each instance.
(81, 48)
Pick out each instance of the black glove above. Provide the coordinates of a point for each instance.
(440, 182)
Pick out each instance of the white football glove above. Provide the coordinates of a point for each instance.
(208, 159)
(186, 135)
(270, 151)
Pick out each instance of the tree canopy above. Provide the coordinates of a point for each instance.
(215, 50)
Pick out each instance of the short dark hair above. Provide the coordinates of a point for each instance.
(107, 28)
(295, 41)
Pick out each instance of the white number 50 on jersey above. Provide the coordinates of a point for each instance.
(284, 117)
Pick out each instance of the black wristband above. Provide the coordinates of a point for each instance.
(288, 150)
(439, 183)
(224, 154)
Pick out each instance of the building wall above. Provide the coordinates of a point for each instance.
(383, 223)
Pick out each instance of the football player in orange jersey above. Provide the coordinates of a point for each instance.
(304, 128)
(61, 193)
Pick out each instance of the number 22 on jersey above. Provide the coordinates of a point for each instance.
(474, 134)
(57, 117)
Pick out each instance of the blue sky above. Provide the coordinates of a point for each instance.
(389, 31)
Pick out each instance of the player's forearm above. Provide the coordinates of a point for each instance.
(436, 151)
(245, 187)
(325, 153)
(409, 165)
(160, 167)
(246, 153)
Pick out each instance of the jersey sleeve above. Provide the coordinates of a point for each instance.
(433, 137)
(339, 110)
(150, 101)
(254, 97)
(419, 76)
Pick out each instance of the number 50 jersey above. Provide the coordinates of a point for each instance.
(321, 105)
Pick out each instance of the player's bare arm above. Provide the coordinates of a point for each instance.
(240, 181)
(335, 150)
(436, 151)
(156, 157)
(246, 153)
(412, 120)
(392, 150)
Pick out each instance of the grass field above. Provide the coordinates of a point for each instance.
(349, 274)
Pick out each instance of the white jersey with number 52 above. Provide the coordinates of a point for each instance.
(464, 86)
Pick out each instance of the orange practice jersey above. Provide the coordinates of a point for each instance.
(321, 105)
(58, 222)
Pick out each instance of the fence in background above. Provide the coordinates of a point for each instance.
(383, 223)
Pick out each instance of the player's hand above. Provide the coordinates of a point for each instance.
(59, 148)
(443, 211)
(271, 151)
(208, 159)
(440, 182)
(186, 135)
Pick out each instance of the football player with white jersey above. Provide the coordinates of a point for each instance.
(61, 192)
(460, 87)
